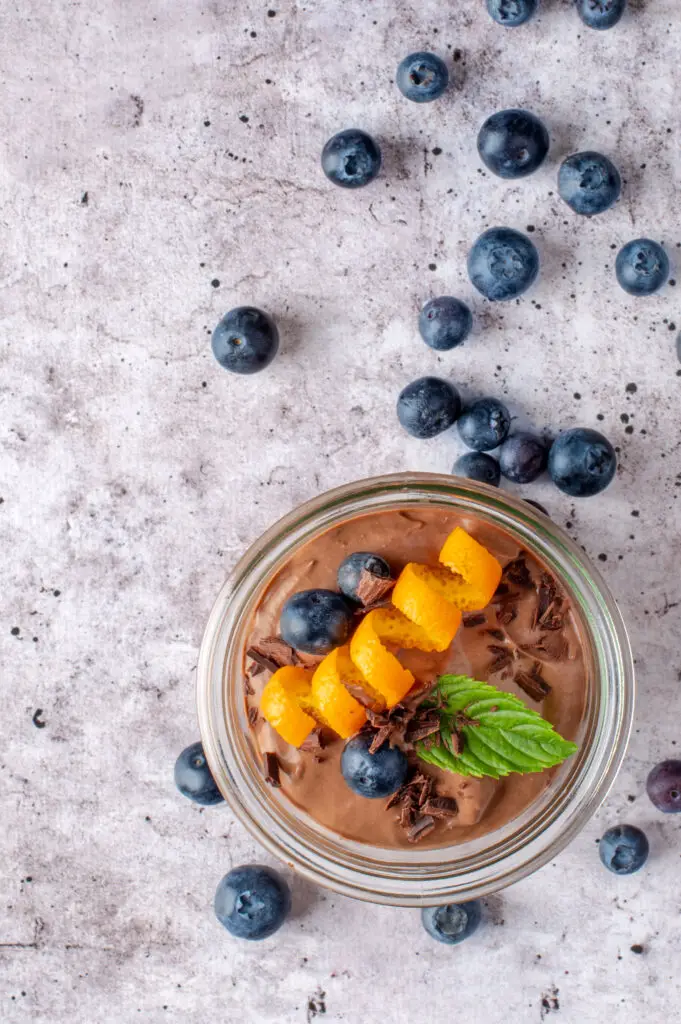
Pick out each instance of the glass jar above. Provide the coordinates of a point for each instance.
(415, 877)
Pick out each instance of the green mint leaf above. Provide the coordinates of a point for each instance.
(500, 733)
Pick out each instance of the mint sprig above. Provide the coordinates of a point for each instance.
(486, 732)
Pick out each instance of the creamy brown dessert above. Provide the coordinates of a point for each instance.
(526, 642)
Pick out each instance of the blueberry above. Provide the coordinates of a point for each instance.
(193, 777)
(589, 183)
(315, 621)
(428, 406)
(522, 458)
(373, 775)
(582, 462)
(513, 143)
(452, 923)
(663, 786)
(478, 466)
(502, 264)
(351, 568)
(351, 159)
(252, 902)
(422, 77)
(624, 849)
(484, 425)
(642, 267)
(445, 323)
(246, 340)
(512, 12)
(600, 13)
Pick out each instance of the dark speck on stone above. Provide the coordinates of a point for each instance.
(56, 593)
(37, 719)
(432, 266)
(602, 558)
(631, 389)
(436, 151)
(206, 124)
(244, 118)
(577, 395)
(635, 513)
(15, 631)
(530, 228)
(629, 429)
(85, 198)
(631, 798)
(600, 416)
(271, 14)
(636, 948)
(457, 55)
(215, 282)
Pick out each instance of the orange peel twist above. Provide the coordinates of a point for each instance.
(426, 612)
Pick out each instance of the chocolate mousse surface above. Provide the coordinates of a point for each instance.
(527, 642)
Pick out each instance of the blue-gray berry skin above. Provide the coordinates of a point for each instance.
(193, 777)
(589, 183)
(452, 923)
(374, 776)
(600, 14)
(478, 466)
(351, 568)
(351, 158)
(642, 267)
(522, 458)
(511, 13)
(445, 323)
(315, 621)
(513, 143)
(582, 462)
(428, 406)
(422, 77)
(502, 264)
(663, 786)
(252, 902)
(624, 849)
(246, 340)
(484, 425)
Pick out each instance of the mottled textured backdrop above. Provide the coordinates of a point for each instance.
(160, 164)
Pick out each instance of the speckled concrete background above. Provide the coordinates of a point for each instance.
(160, 165)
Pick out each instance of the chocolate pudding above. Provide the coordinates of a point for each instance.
(527, 642)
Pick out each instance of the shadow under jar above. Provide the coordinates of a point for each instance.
(485, 860)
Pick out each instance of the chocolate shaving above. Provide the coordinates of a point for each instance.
(423, 724)
(383, 734)
(496, 634)
(262, 660)
(252, 716)
(372, 588)
(474, 619)
(312, 743)
(394, 799)
(426, 789)
(454, 742)
(248, 689)
(506, 616)
(421, 828)
(276, 650)
(360, 695)
(518, 573)
(272, 769)
(533, 685)
(501, 662)
(255, 670)
(441, 807)
(502, 590)
(408, 813)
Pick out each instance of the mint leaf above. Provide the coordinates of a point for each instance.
(500, 733)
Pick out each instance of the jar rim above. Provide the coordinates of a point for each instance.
(399, 877)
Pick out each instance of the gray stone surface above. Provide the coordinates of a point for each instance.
(151, 151)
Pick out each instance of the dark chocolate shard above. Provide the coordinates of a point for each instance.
(248, 689)
(517, 572)
(424, 723)
(421, 828)
(496, 634)
(506, 615)
(372, 588)
(441, 807)
(384, 733)
(534, 686)
(271, 761)
(361, 696)
(275, 650)
(408, 812)
(252, 716)
(473, 619)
